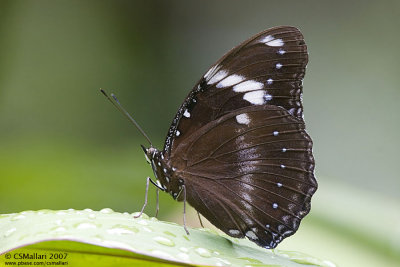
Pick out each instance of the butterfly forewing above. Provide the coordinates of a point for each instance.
(266, 69)
(238, 141)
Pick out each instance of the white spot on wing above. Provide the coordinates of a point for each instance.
(243, 119)
(230, 80)
(284, 149)
(278, 65)
(275, 205)
(218, 76)
(279, 184)
(248, 86)
(248, 199)
(186, 114)
(178, 133)
(251, 235)
(281, 51)
(270, 81)
(271, 41)
(255, 97)
(234, 232)
(268, 97)
(267, 39)
(275, 133)
(276, 42)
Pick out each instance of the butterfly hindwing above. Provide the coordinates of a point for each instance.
(261, 173)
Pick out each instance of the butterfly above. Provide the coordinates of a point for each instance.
(237, 150)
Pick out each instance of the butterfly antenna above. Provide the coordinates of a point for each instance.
(118, 105)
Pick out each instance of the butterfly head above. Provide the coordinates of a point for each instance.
(149, 153)
(153, 157)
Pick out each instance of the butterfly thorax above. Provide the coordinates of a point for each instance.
(165, 174)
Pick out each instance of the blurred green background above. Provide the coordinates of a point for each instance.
(62, 145)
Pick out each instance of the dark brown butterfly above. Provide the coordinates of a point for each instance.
(237, 149)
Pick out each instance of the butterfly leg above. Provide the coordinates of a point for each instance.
(201, 223)
(145, 198)
(157, 201)
(184, 209)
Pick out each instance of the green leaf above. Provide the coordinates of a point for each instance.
(108, 238)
